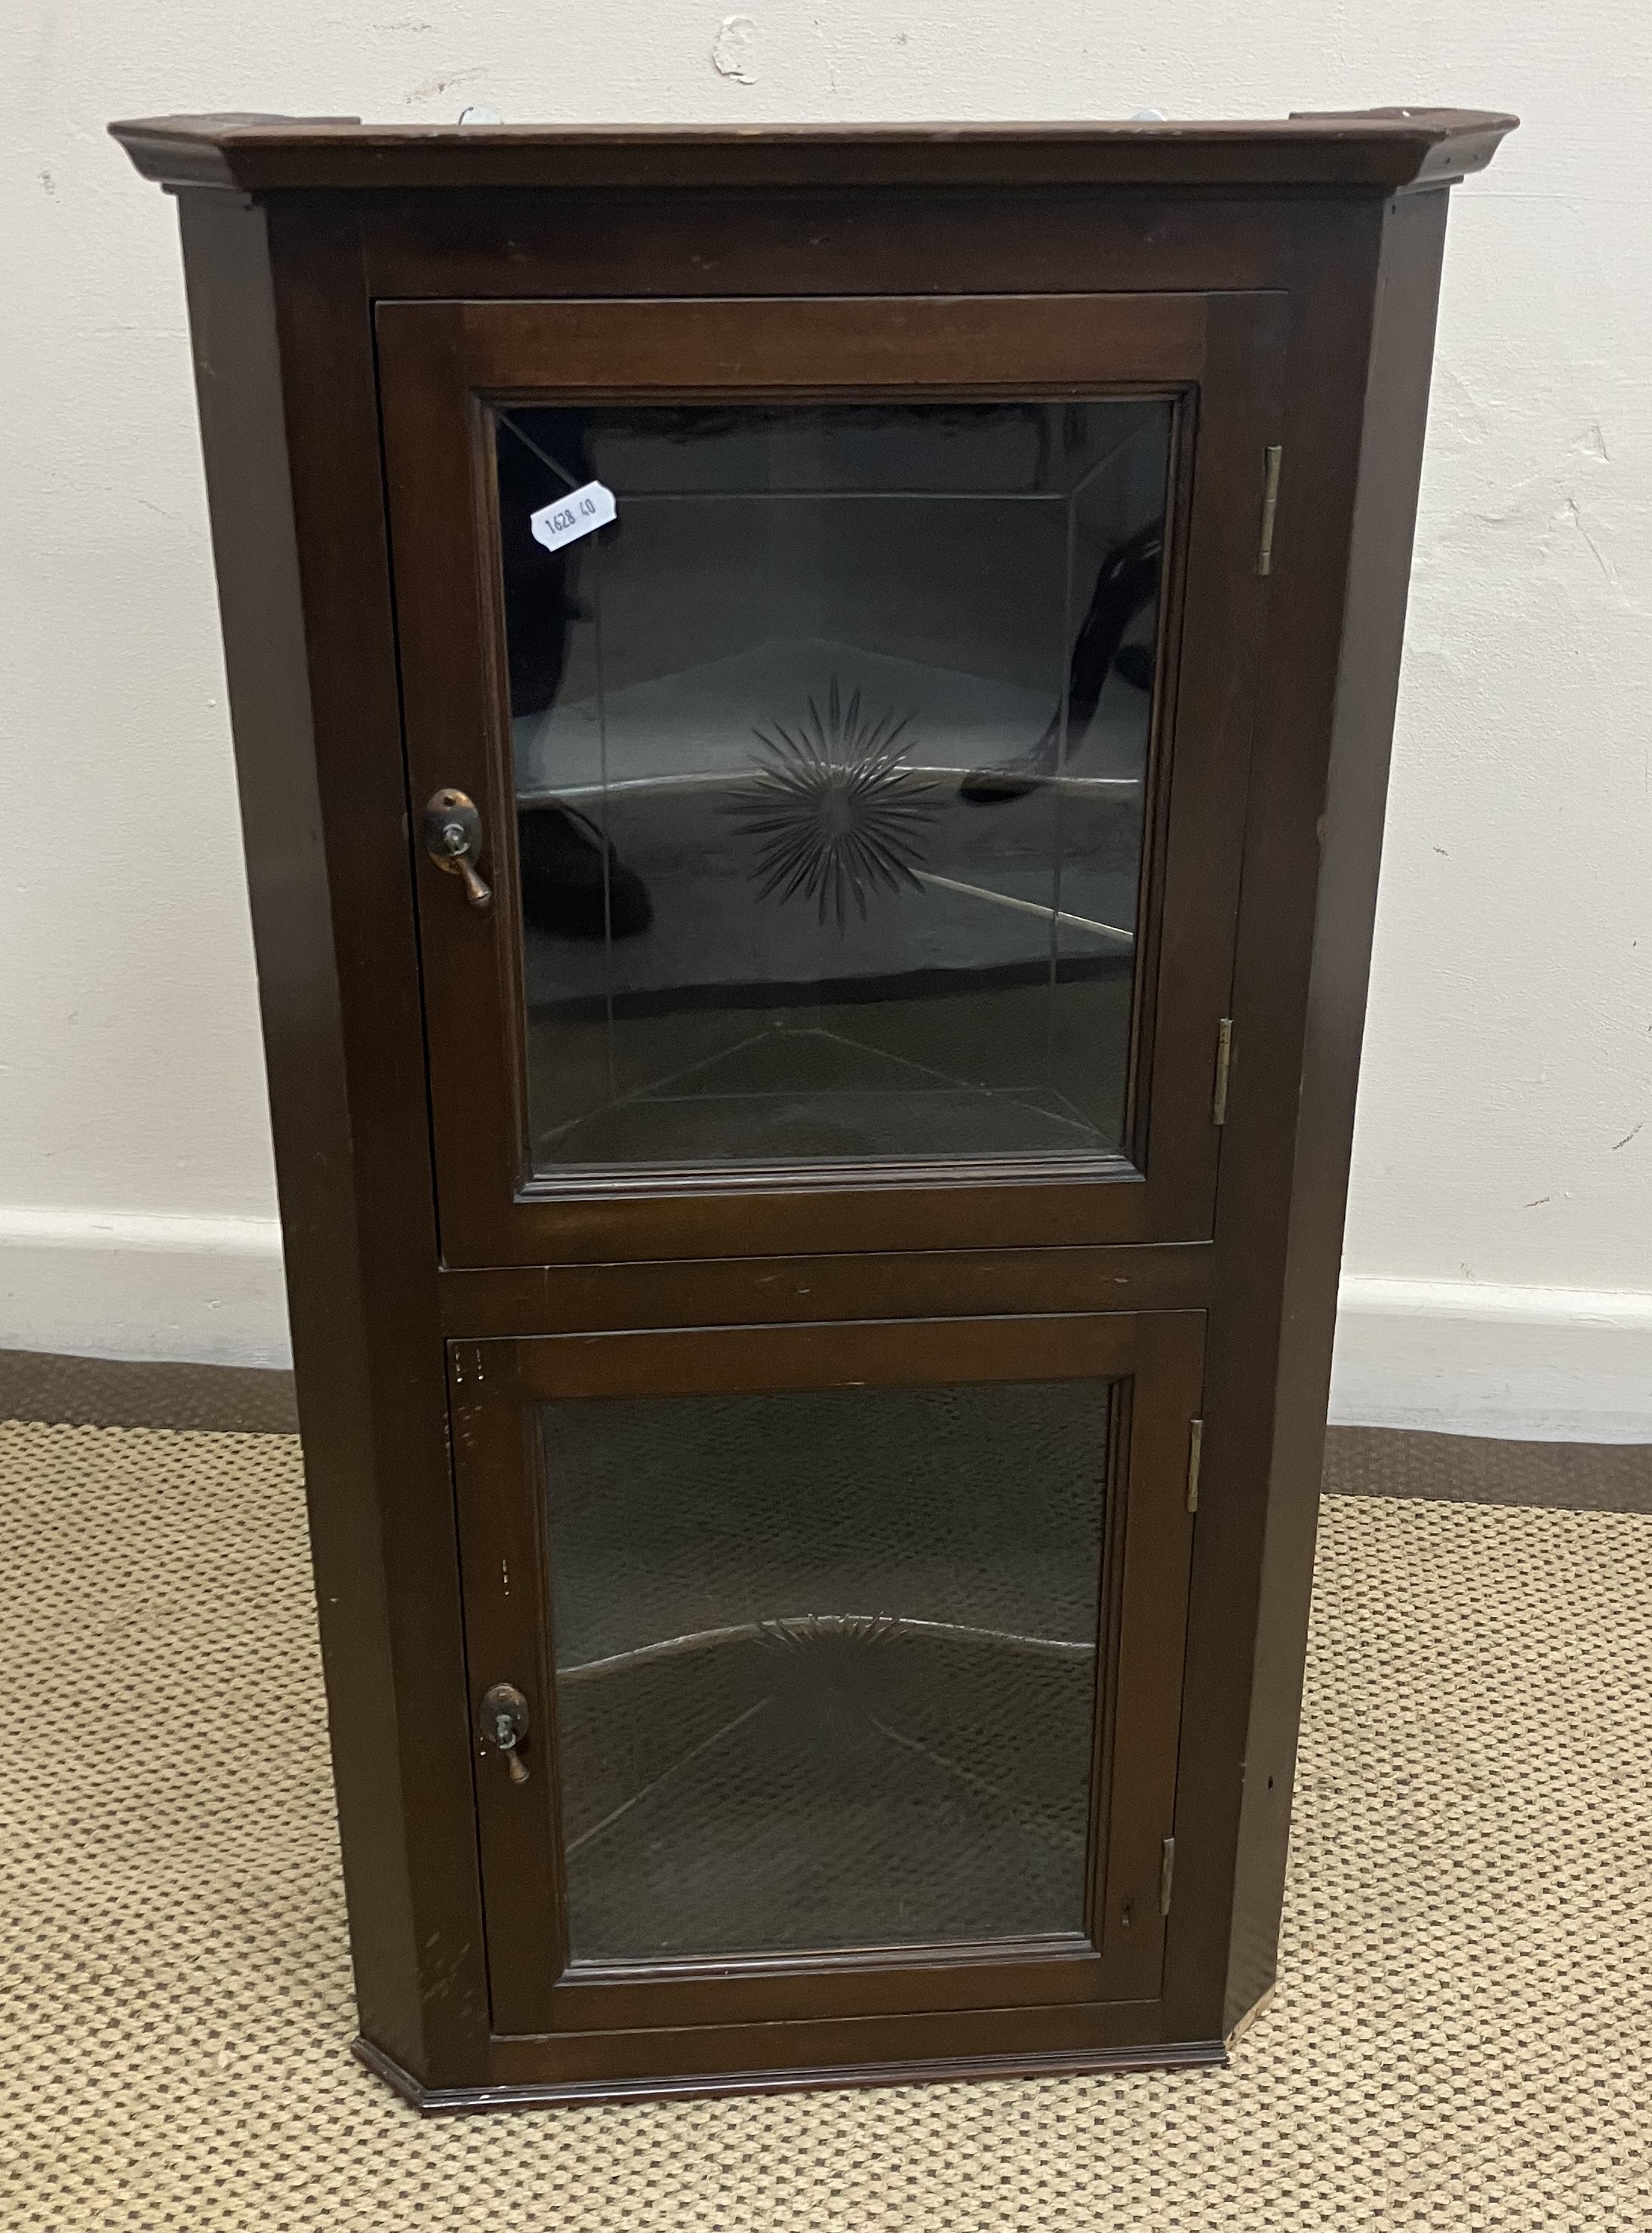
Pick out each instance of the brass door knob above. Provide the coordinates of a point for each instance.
(502, 1724)
(453, 834)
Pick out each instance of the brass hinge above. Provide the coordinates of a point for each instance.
(1166, 1874)
(1224, 1056)
(1270, 506)
(1195, 1451)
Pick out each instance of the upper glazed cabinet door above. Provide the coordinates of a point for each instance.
(827, 727)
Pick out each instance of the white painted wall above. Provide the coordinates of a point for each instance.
(1499, 1251)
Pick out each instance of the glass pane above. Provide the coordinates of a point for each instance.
(829, 751)
(826, 1664)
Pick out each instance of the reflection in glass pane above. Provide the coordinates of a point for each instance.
(830, 755)
(825, 1664)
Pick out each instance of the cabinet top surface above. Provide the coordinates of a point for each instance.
(1382, 150)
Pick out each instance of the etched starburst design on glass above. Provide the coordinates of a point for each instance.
(830, 1671)
(837, 815)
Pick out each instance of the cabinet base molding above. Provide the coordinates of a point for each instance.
(527, 2094)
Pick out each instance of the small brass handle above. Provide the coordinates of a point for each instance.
(502, 1724)
(452, 833)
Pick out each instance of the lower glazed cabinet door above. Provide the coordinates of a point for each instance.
(827, 1689)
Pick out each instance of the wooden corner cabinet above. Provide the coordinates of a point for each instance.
(812, 708)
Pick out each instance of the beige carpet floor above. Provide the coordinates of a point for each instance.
(1462, 2036)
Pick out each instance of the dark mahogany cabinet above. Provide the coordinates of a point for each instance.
(812, 709)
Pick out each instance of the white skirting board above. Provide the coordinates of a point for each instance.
(1451, 1356)
(122, 1284)
(1460, 1357)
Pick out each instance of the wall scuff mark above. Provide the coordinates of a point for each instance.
(731, 49)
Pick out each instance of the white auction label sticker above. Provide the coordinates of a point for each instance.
(582, 511)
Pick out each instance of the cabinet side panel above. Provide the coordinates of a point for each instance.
(1390, 464)
(292, 471)
(1328, 257)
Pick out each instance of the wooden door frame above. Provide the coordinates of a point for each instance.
(444, 365)
(495, 1387)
